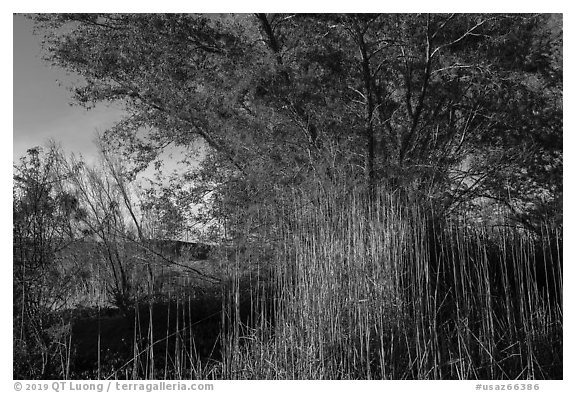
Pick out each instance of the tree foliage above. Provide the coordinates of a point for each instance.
(457, 109)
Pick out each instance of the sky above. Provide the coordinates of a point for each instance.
(41, 100)
(42, 109)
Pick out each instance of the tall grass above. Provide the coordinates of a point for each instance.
(377, 288)
(167, 342)
(345, 287)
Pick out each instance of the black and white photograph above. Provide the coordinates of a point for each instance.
(288, 196)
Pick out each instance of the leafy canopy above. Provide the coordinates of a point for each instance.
(455, 109)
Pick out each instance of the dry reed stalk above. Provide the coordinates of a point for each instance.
(383, 289)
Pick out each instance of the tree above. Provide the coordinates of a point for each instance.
(449, 105)
(442, 108)
(45, 218)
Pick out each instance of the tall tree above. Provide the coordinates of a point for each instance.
(457, 109)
